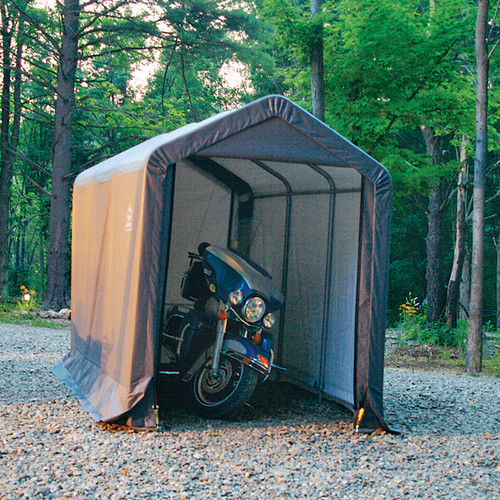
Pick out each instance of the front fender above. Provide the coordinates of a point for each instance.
(240, 349)
(248, 353)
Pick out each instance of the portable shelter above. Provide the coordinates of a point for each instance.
(318, 209)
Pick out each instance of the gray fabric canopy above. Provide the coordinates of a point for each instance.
(318, 209)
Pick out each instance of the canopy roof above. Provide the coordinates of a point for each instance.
(325, 206)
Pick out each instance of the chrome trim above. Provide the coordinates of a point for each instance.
(253, 363)
(170, 318)
(280, 368)
(177, 339)
(219, 341)
(179, 346)
(271, 359)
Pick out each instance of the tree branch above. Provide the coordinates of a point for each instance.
(120, 49)
(100, 15)
(30, 162)
(36, 24)
(96, 158)
(494, 197)
(493, 167)
(27, 177)
(447, 196)
(186, 85)
(493, 21)
(493, 49)
(165, 76)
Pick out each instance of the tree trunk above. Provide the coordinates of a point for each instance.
(465, 285)
(497, 245)
(436, 291)
(5, 173)
(9, 138)
(317, 72)
(453, 292)
(473, 357)
(58, 256)
(42, 260)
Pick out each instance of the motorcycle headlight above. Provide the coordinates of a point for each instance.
(236, 297)
(254, 309)
(269, 320)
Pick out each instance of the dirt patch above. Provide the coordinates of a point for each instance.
(425, 357)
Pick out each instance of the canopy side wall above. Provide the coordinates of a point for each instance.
(106, 255)
(340, 342)
(301, 345)
(118, 265)
(157, 223)
(201, 212)
(372, 302)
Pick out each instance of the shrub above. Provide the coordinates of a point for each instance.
(414, 326)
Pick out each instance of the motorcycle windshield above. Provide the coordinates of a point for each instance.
(234, 272)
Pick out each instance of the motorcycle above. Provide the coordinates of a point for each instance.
(221, 345)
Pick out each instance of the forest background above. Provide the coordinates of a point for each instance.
(82, 80)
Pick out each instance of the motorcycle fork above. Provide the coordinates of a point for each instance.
(219, 340)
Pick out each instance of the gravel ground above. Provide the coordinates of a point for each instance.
(286, 445)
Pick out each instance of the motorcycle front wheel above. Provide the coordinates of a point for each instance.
(219, 397)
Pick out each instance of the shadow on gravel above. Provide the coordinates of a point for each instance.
(273, 403)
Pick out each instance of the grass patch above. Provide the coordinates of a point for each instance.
(11, 313)
(428, 344)
(492, 366)
(33, 321)
(454, 358)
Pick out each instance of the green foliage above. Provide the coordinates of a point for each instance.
(28, 209)
(417, 328)
(407, 268)
(12, 318)
(297, 30)
(381, 87)
(413, 325)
